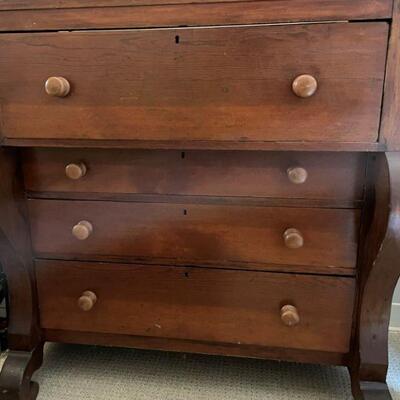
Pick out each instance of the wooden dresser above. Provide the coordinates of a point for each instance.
(211, 176)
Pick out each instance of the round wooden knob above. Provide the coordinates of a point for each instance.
(75, 171)
(290, 315)
(82, 230)
(305, 86)
(297, 175)
(293, 238)
(87, 301)
(57, 86)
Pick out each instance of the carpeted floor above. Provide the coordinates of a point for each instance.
(99, 373)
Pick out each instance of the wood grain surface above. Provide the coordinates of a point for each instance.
(338, 176)
(197, 304)
(223, 84)
(373, 7)
(16, 256)
(121, 14)
(195, 233)
(390, 132)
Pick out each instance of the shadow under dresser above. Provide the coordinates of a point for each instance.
(219, 177)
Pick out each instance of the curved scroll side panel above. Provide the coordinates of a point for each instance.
(379, 272)
(15, 256)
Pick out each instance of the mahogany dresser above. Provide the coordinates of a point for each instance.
(211, 176)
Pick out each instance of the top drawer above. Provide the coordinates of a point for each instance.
(376, 8)
(40, 15)
(213, 84)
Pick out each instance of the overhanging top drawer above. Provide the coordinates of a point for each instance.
(376, 6)
(215, 84)
(34, 15)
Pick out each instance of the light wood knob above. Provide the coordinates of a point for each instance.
(297, 175)
(87, 301)
(305, 86)
(57, 86)
(75, 171)
(289, 315)
(82, 230)
(293, 238)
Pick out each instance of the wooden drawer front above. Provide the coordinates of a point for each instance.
(256, 174)
(216, 84)
(40, 15)
(197, 304)
(195, 232)
(377, 7)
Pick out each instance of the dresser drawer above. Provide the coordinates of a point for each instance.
(214, 84)
(378, 8)
(253, 174)
(195, 233)
(197, 304)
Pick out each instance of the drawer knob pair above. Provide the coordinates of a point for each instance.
(305, 86)
(87, 301)
(292, 237)
(57, 86)
(289, 315)
(296, 175)
(82, 230)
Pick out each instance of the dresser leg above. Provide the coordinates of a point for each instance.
(365, 390)
(16, 373)
(379, 272)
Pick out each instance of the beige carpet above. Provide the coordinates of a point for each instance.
(99, 373)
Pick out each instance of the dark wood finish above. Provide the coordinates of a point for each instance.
(379, 276)
(390, 131)
(15, 256)
(202, 13)
(178, 303)
(367, 8)
(190, 346)
(24, 336)
(167, 243)
(16, 373)
(212, 85)
(245, 174)
(226, 200)
(278, 268)
(197, 145)
(195, 233)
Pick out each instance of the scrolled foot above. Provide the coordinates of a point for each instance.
(16, 373)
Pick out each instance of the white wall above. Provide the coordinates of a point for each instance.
(395, 318)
